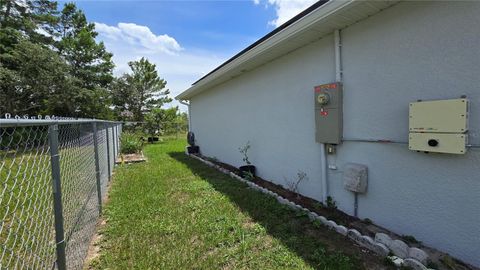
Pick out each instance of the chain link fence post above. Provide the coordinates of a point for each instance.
(117, 134)
(108, 152)
(57, 197)
(115, 150)
(97, 167)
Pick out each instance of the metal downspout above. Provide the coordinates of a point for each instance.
(189, 115)
(338, 78)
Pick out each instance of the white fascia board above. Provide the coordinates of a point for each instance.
(304, 23)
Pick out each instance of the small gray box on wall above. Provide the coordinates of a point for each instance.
(355, 177)
(328, 113)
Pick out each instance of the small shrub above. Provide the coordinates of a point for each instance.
(367, 221)
(331, 203)
(410, 239)
(244, 151)
(318, 205)
(448, 261)
(248, 175)
(293, 185)
(301, 213)
(130, 143)
(317, 224)
(431, 264)
(388, 262)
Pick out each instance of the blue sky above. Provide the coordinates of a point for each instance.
(185, 39)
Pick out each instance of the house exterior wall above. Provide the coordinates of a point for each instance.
(411, 51)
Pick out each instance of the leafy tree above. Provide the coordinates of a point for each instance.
(32, 19)
(182, 122)
(90, 63)
(153, 122)
(30, 75)
(51, 62)
(160, 121)
(141, 91)
(29, 69)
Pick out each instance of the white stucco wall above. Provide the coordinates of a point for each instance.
(413, 50)
(272, 111)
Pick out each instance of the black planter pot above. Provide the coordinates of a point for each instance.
(245, 169)
(152, 139)
(193, 149)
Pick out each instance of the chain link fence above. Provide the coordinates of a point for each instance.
(53, 178)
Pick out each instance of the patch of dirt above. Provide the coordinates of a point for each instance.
(248, 224)
(94, 248)
(195, 241)
(131, 158)
(181, 197)
(437, 258)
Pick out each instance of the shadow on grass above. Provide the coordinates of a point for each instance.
(317, 245)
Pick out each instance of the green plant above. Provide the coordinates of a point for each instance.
(317, 224)
(244, 151)
(448, 261)
(388, 262)
(213, 159)
(432, 265)
(318, 205)
(248, 175)
(331, 203)
(301, 213)
(161, 122)
(410, 239)
(367, 221)
(293, 185)
(131, 143)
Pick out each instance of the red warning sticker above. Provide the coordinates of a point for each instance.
(319, 88)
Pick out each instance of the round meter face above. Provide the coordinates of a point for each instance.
(323, 98)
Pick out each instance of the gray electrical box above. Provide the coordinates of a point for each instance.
(355, 177)
(328, 113)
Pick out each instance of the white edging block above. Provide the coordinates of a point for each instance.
(382, 244)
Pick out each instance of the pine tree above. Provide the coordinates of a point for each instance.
(90, 63)
(32, 79)
(34, 20)
(141, 91)
(30, 71)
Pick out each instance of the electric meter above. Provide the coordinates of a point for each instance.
(328, 113)
(323, 98)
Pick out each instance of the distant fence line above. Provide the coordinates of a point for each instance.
(54, 174)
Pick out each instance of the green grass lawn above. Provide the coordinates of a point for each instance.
(174, 212)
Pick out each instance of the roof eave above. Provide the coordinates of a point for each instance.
(317, 19)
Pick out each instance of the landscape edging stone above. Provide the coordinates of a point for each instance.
(381, 244)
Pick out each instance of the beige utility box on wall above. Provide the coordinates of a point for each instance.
(439, 126)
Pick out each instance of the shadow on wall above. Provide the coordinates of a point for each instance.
(317, 245)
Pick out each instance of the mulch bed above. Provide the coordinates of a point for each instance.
(332, 213)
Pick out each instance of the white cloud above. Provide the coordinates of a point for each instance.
(180, 67)
(287, 9)
(139, 35)
(256, 2)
